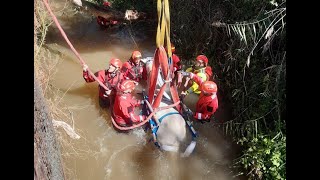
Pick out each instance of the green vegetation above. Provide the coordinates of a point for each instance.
(245, 42)
(264, 157)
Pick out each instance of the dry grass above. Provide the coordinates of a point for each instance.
(45, 67)
(71, 149)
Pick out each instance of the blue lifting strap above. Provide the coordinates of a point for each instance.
(154, 130)
(163, 116)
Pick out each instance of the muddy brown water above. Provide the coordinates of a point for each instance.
(101, 152)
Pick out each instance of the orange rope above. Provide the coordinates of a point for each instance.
(146, 120)
(69, 43)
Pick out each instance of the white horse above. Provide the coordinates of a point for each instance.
(172, 129)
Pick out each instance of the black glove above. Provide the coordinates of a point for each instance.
(181, 97)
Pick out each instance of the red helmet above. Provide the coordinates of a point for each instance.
(136, 54)
(175, 59)
(209, 86)
(203, 58)
(116, 62)
(127, 85)
(106, 3)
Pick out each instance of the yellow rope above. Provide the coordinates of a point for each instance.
(167, 16)
(163, 29)
(159, 17)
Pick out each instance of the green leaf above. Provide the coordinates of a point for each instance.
(267, 151)
(275, 162)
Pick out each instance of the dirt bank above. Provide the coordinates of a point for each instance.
(47, 161)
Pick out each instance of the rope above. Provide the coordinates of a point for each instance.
(165, 115)
(146, 120)
(164, 28)
(167, 81)
(69, 43)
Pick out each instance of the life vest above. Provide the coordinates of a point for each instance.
(113, 79)
(199, 72)
(132, 71)
(207, 71)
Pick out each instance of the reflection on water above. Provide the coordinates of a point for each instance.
(103, 153)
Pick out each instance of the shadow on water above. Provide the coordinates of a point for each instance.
(87, 36)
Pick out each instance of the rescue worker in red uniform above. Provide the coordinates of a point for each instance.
(110, 77)
(201, 69)
(175, 60)
(104, 22)
(134, 68)
(123, 109)
(208, 100)
(177, 66)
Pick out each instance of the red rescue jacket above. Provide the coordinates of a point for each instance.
(206, 105)
(134, 72)
(109, 79)
(176, 63)
(123, 110)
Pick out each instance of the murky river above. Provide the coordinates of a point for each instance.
(101, 152)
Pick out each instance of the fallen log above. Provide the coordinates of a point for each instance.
(108, 12)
